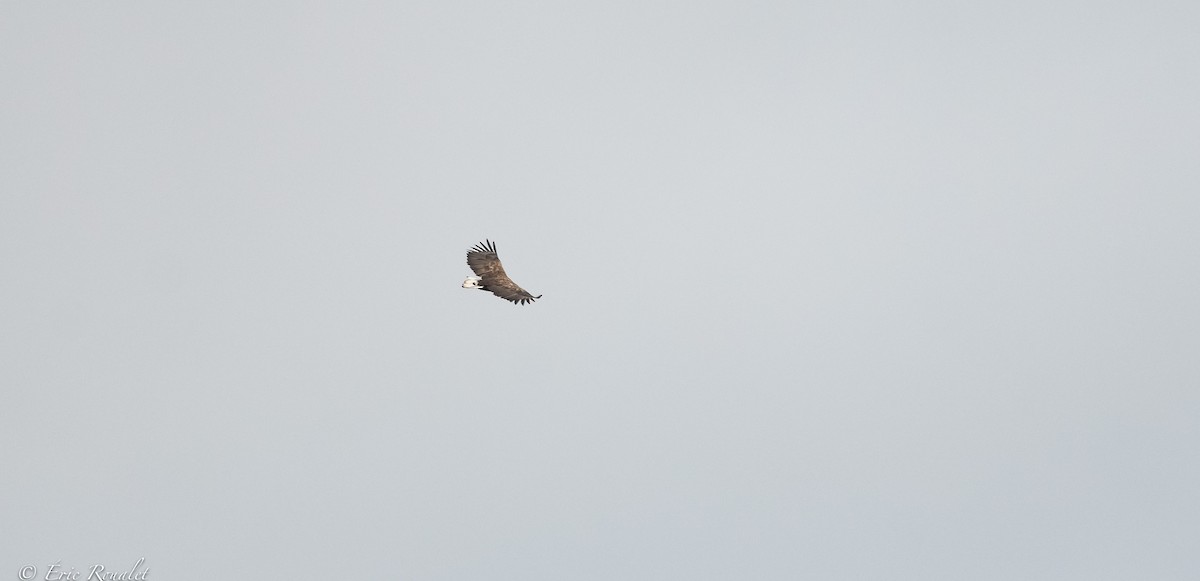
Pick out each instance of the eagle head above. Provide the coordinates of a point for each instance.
(472, 282)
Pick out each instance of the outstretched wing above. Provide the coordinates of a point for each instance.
(484, 261)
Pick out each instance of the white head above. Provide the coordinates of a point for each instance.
(472, 282)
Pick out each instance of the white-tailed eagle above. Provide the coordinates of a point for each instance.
(490, 277)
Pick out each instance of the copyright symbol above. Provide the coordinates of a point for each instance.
(27, 572)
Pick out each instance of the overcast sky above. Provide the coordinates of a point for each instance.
(832, 290)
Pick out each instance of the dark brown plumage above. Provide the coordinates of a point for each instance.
(485, 263)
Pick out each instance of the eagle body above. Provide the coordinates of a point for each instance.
(490, 275)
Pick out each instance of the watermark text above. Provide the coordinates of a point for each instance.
(97, 572)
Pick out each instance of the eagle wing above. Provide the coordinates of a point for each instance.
(485, 263)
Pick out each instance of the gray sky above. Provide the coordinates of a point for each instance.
(832, 290)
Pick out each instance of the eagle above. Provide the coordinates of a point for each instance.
(485, 263)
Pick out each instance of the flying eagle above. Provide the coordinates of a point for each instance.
(484, 262)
